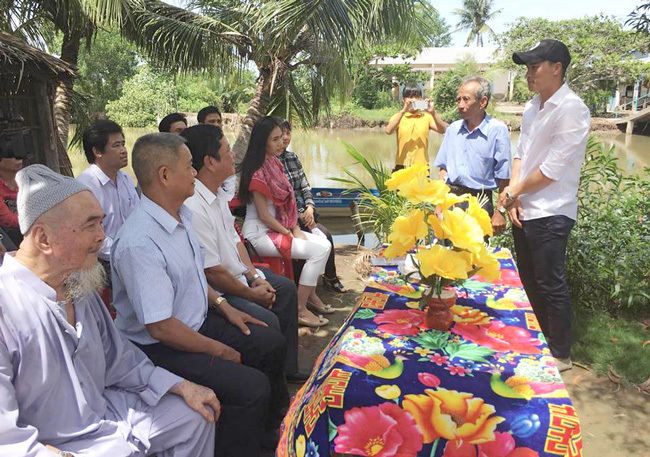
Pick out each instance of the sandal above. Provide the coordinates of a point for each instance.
(324, 309)
(335, 285)
(307, 323)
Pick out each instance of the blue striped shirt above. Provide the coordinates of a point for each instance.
(475, 159)
(157, 272)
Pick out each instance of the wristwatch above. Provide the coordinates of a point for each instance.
(254, 277)
(217, 303)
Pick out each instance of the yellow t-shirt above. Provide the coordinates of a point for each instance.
(413, 137)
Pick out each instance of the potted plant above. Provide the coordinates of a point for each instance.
(445, 235)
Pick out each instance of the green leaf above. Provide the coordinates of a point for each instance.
(468, 351)
(433, 339)
(365, 314)
(332, 429)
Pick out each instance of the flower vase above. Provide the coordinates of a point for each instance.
(438, 313)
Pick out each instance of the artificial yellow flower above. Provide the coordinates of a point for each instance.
(436, 224)
(396, 250)
(446, 263)
(487, 263)
(452, 415)
(462, 229)
(424, 191)
(407, 229)
(390, 392)
(415, 172)
(482, 217)
(452, 199)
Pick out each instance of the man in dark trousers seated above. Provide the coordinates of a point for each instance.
(165, 305)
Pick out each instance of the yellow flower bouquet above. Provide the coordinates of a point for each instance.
(445, 231)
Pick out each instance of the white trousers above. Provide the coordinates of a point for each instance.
(315, 250)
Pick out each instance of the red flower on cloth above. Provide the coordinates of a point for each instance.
(509, 278)
(456, 370)
(400, 322)
(500, 337)
(428, 379)
(439, 360)
(379, 431)
(502, 446)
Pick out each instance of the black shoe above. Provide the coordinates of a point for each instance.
(334, 284)
(298, 377)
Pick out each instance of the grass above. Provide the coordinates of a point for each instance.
(371, 115)
(602, 341)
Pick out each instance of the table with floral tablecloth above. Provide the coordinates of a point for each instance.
(386, 385)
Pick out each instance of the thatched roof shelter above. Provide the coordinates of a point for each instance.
(28, 80)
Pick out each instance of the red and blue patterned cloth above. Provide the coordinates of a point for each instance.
(386, 385)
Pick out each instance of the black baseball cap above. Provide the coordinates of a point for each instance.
(551, 50)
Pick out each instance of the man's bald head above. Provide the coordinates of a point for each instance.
(153, 151)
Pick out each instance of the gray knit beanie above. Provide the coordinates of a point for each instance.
(40, 189)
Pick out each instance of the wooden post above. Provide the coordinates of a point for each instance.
(50, 153)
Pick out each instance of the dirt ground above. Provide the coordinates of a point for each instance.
(614, 420)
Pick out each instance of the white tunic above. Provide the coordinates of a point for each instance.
(82, 389)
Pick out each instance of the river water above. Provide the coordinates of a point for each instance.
(323, 153)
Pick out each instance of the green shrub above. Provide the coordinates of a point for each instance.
(596, 100)
(609, 250)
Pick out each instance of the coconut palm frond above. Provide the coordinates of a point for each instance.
(474, 17)
(178, 38)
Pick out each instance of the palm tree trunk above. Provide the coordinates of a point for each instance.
(63, 101)
(256, 110)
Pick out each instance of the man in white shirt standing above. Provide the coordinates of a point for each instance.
(542, 198)
(104, 146)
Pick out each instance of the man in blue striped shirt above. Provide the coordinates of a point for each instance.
(474, 157)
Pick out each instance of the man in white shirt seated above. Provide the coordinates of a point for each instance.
(70, 384)
(104, 147)
(228, 268)
(542, 198)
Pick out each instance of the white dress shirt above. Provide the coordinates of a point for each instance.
(554, 140)
(213, 225)
(117, 199)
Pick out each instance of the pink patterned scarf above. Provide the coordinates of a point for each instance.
(271, 182)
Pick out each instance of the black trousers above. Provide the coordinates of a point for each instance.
(283, 315)
(460, 190)
(541, 258)
(252, 394)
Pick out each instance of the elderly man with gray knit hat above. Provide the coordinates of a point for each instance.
(70, 384)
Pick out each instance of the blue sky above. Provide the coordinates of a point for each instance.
(549, 9)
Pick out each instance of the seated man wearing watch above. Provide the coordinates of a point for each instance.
(474, 157)
(261, 293)
(166, 307)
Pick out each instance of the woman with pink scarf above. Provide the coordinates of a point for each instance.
(271, 223)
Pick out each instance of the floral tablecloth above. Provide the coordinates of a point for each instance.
(388, 386)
